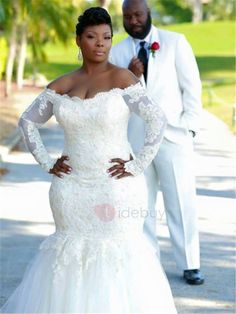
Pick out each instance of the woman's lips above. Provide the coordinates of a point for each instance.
(99, 53)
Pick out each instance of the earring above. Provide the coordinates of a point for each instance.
(79, 55)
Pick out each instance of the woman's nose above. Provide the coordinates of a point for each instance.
(100, 43)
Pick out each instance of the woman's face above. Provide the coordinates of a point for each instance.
(95, 42)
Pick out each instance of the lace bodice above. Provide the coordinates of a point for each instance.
(95, 128)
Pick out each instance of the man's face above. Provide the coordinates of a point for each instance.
(137, 19)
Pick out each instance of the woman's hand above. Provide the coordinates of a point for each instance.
(60, 166)
(119, 169)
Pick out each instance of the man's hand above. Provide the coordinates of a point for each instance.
(119, 169)
(136, 66)
(60, 166)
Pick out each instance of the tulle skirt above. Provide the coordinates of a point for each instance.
(68, 275)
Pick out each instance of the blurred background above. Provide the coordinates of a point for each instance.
(37, 44)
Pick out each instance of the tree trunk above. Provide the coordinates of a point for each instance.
(21, 57)
(12, 48)
(11, 59)
(104, 4)
(197, 11)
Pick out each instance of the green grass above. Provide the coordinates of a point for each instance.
(60, 60)
(209, 38)
(213, 44)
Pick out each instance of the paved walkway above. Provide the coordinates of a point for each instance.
(27, 219)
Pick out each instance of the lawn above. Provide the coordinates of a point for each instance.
(213, 44)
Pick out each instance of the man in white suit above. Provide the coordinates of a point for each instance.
(170, 74)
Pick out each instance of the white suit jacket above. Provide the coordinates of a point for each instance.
(172, 81)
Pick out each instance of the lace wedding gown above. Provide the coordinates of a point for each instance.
(98, 260)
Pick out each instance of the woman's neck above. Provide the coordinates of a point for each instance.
(95, 68)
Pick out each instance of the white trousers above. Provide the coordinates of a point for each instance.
(172, 171)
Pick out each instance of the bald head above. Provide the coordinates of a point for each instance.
(136, 18)
(129, 3)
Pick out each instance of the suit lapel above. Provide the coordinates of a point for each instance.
(154, 62)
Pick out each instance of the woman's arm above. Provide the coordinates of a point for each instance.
(39, 112)
(141, 104)
(138, 102)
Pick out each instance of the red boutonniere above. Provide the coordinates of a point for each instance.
(154, 47)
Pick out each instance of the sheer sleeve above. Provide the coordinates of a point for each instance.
(138, 102)
(39, 112)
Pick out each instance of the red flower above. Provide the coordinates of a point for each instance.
(154, 47)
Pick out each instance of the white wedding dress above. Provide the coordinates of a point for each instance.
(98, 260)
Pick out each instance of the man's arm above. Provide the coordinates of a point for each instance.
(190, 84)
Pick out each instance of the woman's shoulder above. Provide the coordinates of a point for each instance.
(63, 84)
(123, 78)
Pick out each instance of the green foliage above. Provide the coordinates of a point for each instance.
(179, 11)
(116, 13)
(5, 13)
(170, 11)
(220, 10)
(3, 55)
(45, 21)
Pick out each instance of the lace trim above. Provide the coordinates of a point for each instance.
(41, 102)
(130, 89)
(138, 165)
(70, 247)
(39, 151)
(155, 120)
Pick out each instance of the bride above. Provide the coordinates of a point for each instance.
(98, 260)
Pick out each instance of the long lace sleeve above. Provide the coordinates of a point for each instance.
(39, 112)
(138, 102)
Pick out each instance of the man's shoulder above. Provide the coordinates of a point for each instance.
(169, 35)
(122, 43)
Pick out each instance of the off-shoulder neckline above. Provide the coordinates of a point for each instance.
(112, 90)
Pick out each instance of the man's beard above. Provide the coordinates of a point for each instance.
(145, 29)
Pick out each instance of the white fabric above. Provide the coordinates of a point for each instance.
(98, 260)
(173, 82)
(175, 163)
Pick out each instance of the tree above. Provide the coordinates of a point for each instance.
(170, 11)
(104, 4)
(197, 9)
(220, 10)
(34, 23)
(6, 12)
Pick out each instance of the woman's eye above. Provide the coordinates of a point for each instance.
(108, 37)
(90, 36)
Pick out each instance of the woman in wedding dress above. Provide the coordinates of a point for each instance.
(98, 260)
